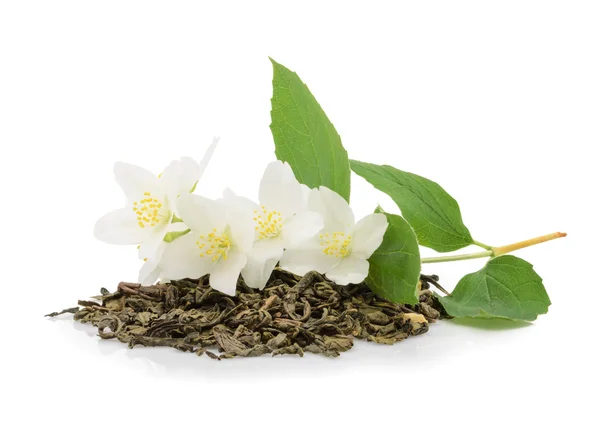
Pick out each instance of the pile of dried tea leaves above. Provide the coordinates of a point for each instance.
(292, 315)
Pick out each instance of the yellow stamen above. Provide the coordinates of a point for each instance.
(148, 211)
(269, 223)
(219, 246)
(338, 245)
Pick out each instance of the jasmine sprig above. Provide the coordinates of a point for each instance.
(507, 287)
(304, 222)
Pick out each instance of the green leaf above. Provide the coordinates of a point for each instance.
(430, 210)
(304, 136)
(507, 287)
(171, 236)
(394, 269)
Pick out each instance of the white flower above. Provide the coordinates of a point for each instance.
(150, 202)
(342, 248)
(217, 244)
(151, 269)
(280, 221)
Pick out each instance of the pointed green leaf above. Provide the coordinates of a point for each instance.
(304, 136)
(507, 287)
(430, 210)
(395, 268)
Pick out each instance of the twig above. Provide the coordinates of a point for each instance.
(433, 280)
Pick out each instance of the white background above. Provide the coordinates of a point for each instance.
(497, 101)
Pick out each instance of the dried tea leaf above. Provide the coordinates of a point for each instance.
(64, 311)
(292, 315)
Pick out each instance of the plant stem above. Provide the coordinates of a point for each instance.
(482, 245)
(495, 251)
(488, 253)
(498, 251)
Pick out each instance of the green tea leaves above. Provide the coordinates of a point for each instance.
(507, 287)
(304, 136)
(430, 210)
(396, 265)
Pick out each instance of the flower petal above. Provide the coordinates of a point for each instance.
(151, 269)
(150, 248)
(225, 274)
(181, 176)
(279, 189)
(201, 214)
(261, 261)
(170, 181)
(149, 273)
(189, 174)
(206, 158)
(300, 228)
(181, 259)
(241, 227)
(337, 214)
(120, 227)
(368, 234)
(307, 257)
(351, 270)
(240, 203)
(135, 180)
(305, 194)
